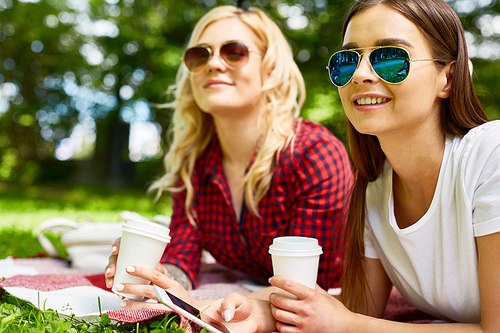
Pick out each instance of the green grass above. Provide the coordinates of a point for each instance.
(22, 210)
(26, 208)
(20, 316)
(20, 243)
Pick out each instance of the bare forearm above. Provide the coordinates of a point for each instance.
(262, 313)
(262, 294)
(177, 274)
(362, 323)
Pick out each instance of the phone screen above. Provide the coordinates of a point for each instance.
(202, 317)
(183, 305)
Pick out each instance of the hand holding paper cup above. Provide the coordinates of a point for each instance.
(142, 244)
(296, 258)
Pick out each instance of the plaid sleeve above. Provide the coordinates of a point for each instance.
(324, 176)
(184, 249)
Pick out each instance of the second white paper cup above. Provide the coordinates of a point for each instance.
(142, 244)
(296, 258)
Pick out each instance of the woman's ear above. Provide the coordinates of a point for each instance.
(448, 71)
(269, 75)
(270, 71)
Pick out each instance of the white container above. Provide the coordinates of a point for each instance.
(142, 244)
(296, 258)
(89, 245)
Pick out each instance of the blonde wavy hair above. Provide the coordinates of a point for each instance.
(283, 94)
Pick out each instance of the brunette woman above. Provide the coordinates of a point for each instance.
(424, 214)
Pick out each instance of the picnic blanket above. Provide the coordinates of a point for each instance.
(50, 283)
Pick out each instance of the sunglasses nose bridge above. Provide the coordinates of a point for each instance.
(215, 55)
(364, 70)
(364, 56)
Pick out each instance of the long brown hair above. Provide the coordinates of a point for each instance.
(459, 113)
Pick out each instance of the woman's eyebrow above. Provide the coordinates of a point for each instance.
(381, 42)
(223, 43)
(201, 45)
(393, 41)
(349, 46)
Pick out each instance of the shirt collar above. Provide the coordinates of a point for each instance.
(213, 157)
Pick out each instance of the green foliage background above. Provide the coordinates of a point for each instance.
(143, 52)
(43, 64)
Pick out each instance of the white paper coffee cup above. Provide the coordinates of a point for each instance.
(142, 244)
(296, 258)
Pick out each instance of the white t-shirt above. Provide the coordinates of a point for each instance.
(433, 263)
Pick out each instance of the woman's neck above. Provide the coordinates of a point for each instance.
(416, 160)
(238, 138)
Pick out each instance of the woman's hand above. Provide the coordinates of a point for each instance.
(313, 311)
(242, 314)
(234, 312)
(156, 278)
(171, 271)
(110, 269)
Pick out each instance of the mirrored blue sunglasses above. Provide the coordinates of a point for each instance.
(390, 63)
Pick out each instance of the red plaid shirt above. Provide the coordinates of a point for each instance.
(306, 198)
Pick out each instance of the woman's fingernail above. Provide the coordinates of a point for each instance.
(109, 284)
(123, 304)
(113, 249)
(227, 315)
(107, 271)
(130, 269)
(119, 287)
(270, 279)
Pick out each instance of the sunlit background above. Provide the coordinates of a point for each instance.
(79, 80)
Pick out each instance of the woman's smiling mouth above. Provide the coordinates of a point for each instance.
(371, 100)
(216, 83)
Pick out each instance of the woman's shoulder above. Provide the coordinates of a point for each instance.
(477, 154)
(486, 129)
(483, 139)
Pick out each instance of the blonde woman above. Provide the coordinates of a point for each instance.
(243, 167)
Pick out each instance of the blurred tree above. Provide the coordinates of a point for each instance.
(481, 19)
(29, 56)
(76, 76)
(82, 65)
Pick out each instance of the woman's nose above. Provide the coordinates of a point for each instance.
(364, 73)
(215, 62)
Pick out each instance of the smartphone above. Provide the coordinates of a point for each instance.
(190, 312)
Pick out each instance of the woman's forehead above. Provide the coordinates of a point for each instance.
(381, 22)
(227, 29)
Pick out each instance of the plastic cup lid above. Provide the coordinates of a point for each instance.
(142, 232)
(295, 246)
(148, 226)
